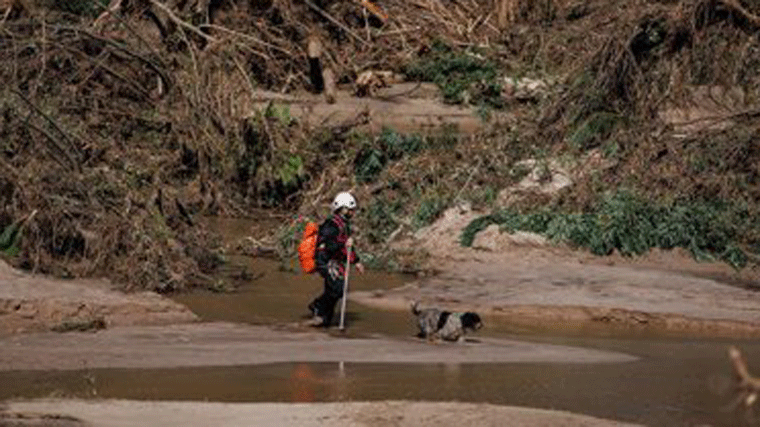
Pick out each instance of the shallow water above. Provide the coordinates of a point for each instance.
(676, 382)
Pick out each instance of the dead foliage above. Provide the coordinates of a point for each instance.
(120, 127)
(89, 144)
(669, 96)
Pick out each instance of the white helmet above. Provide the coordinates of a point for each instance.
(344, 200)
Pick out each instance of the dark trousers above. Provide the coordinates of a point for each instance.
(324, 305)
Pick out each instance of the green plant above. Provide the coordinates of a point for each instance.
(456, 73)
(80, 7)
(376, 153)
(290, 235)
(291, 170)
(381, 219)
(484, 196)
(369, 163)
(10, 239)
(395, 145)
(280, 113)
(428, 210)
(632, 225)
(593, 130)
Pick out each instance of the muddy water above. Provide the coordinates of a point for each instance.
(676, 382)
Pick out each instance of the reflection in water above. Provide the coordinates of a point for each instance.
(302, 383)
(674, 384)
(308, 386)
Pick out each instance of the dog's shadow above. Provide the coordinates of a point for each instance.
(421, 338)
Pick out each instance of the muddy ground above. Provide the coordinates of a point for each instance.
(515, 279)
(371, 414)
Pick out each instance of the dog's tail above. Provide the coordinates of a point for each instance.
(415, 307)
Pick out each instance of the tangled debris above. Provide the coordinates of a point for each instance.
(121, 124)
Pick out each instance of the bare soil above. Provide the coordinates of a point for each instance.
(522, 279)
(31, 303)
(370, 414)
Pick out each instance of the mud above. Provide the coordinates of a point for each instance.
(223, 344)
(31, 303)
(370, 414)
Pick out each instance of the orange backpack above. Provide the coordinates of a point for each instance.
(308, 247)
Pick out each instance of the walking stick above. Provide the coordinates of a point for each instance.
(345, 289)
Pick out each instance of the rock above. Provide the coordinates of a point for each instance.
(525, 89)
(492, 239)
(545, 177)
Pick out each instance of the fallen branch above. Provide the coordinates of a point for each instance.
(335, 21)
(73, 159)
(246, 37)
(177, 20)
(110, 10)
(120, 48)
(738, 9)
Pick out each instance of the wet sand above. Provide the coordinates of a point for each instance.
(370, 414)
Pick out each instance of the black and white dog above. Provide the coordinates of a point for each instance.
(435, 324)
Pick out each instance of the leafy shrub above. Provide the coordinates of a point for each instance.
(376, 153)
(80, 7)
(632, 226)
(290, 235)
(369, 163)
(381, 219)
(455, 73)
(429, 209)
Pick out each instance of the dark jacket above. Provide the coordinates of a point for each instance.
(331, 242)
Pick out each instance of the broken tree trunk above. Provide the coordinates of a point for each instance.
(331, 91)
(314, 51)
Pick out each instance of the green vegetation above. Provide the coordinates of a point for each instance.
(10, 238)
(80, 7)
(382, 218)
(464, 77)
(377, 152)
(632, 225)
(591, 132)
(290, 236)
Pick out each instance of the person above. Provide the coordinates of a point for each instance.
(334, 243)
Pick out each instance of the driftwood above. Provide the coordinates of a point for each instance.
(506, 13)
(748, 387)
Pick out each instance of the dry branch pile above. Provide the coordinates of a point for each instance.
(119, 125)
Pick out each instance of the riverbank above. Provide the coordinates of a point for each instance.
(523, 280)
(370, 414)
